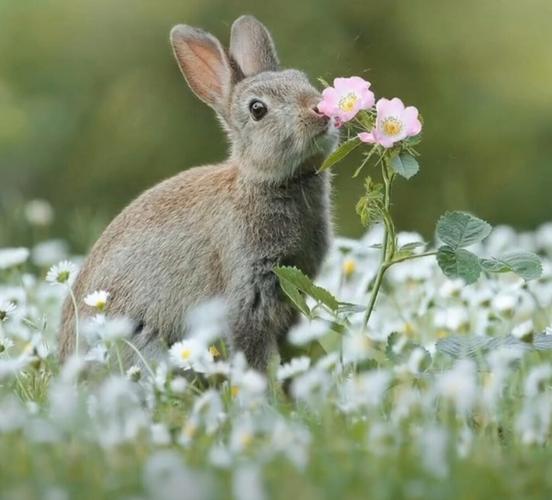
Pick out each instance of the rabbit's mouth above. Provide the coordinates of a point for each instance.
(324, 141)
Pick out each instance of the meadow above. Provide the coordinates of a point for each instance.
(421, 367)
(448, 395)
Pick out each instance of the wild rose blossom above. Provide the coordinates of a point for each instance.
(394, 122)
(346, 98)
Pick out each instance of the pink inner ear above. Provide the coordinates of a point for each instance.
(204, 69)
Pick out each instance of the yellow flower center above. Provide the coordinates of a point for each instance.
(185, 353)
(349, 267)
(190, 429)
(214, 351)
(234, 391)
(347, 103)
(391, 126)
(409, 330)
(246, 439)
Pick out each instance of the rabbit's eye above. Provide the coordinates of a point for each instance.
(257, 109)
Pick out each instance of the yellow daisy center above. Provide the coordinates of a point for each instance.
(391, 126)
(214, 351)
(234, 391)
(349, 267)
(246, 439)
(185, 353)
(347, 103)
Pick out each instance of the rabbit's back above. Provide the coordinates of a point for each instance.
(159, 257)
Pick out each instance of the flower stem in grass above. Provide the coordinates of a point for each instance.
(75, 307)
(142, 359)
(119, 359)
(388, 247)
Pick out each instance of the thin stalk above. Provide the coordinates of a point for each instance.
(388, 247)
(411, 257)
(119, 359)
(75, 307)
(142, 359)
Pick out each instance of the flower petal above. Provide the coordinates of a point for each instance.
(367, 137)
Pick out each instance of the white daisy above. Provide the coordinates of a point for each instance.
(5, 344)
(39, 213)
(6, 308)
(190, 354)
(134, 373)
(97, 299)
(11, 257)
(524, 331)
(293, 368)
(63, 273)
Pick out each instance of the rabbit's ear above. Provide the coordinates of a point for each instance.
(252, 47)
(204, 64)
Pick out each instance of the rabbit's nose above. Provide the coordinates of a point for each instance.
(318, 113)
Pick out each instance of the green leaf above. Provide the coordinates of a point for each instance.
(295, 296)
(322, 295)
(370, 206)
(459, 263)
(524, 264)
(295, 284)
(341, 152)
(460, 229)
(405, 165)
(408, 249)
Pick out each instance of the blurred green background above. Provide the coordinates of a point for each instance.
(93, 108)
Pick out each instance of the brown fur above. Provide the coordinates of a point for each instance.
(218, 231)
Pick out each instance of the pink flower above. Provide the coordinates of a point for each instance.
(346, 98)
(394, 123)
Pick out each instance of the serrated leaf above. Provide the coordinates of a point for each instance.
(405, 165)
(291, 277)
(461, 229)
(459, 263)
(322, 295)
(525, 264)
(295, 276)
(341, 152)
(296, 297)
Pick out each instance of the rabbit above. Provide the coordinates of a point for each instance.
(218, 231)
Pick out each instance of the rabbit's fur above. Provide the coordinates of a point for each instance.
(218, 231)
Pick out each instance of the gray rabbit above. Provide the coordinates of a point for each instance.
(219, 230)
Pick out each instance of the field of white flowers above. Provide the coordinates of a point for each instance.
(448, 394)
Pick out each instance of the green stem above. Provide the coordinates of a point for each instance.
(411, 257)
(142, 359)
(75, 307)
(388, 248)
(119, 359)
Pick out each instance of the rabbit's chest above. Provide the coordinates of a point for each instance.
(291, 227)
